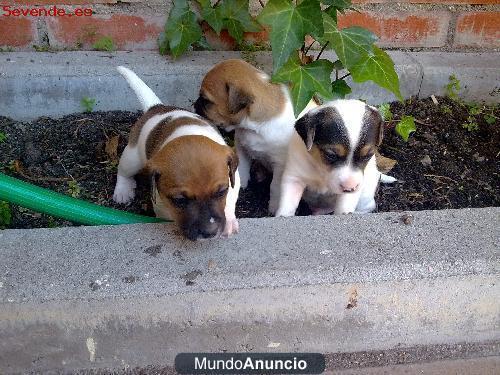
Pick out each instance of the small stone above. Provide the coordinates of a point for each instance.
(426, 161)
(478, 158)
(211, 264)
(431, 138)
(407, 219)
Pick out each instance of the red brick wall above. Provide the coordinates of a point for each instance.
(135, 24)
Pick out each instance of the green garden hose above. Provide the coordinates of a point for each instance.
(46, 201)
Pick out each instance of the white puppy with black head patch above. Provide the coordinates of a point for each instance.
(331, 161)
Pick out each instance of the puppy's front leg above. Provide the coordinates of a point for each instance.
(347, 202)
(232, 225)
(274, 193)
(130, 164)
(291, 193)
(244, 164)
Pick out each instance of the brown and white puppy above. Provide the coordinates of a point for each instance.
(195, 177)
(331, 162)
(236, 95)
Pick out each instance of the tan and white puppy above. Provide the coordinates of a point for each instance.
(331, 162)
(194, 172)
(236, 95)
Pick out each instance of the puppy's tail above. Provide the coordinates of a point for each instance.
(386, 179)
(145, 95)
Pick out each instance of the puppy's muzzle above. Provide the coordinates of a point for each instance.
(205, 229)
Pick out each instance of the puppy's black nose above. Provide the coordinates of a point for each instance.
(209, 229)
(349, 190)
(207, 234)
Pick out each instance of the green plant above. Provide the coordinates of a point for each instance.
(5, 215)
(476, 110)
(452, 88)
(405, 127)
(74, 189)
(471, 124)
(41, 48)
(293, 62)
(446, 109)
(6, 49)
(490, 118)
(51, 222)
(104, 43)
(87, 104)
(12, 166)
(3, 137)
(385, 111)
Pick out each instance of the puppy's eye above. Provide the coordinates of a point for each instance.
(180, 201)
(205, 99)
(220, 193)
(366, 157)
(331, 156)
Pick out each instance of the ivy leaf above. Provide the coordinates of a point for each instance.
(340, 89)
(163, 43)
(306, 80)
(212, 15)
(350, 44)
(332, 12)
(378, 68)
(336, 6)
(385, 111)
(236, 18)
(289, 26)
(181, 29)
(405, 127)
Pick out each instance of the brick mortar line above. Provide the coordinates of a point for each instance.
(427, 7)
(452, 29)
(158, 9)
(415, 61)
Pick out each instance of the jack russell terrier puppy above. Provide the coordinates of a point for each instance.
(237, 96)
(331, 162)
(194, 173)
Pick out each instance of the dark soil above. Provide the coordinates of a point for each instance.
(69, 155)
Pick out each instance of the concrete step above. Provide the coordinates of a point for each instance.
(136, 295)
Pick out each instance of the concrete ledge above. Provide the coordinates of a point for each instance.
(53, 84)
(479, 74)
(111, 297)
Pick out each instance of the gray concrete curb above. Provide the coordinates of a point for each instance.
(136, 295)
(36, 84)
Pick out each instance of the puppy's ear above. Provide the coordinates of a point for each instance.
(153, 168)
(155, 178)
(381, 125)
(306, 129)
(232, 165)
(380, 133)
(237, 99)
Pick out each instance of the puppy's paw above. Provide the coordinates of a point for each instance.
(365, 206)
(124, 190)
(232, 227)
(273, 206)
